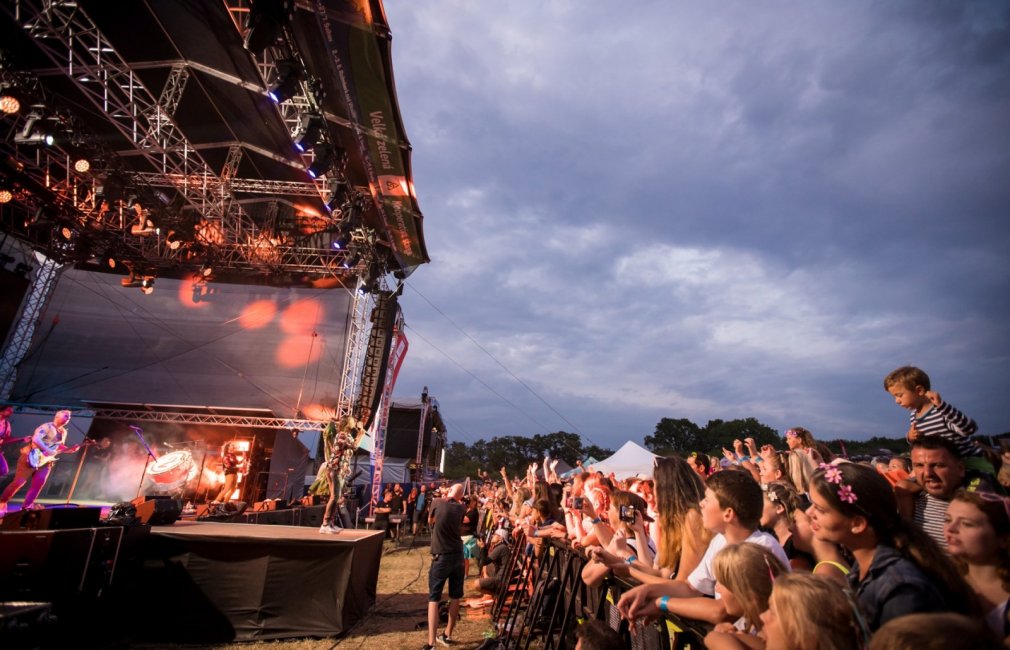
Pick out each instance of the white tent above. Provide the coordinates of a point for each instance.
(630, 460)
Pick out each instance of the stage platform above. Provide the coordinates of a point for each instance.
(198, 582)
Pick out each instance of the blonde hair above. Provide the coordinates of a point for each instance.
(934, 631)
(747, 571)
(815, 614)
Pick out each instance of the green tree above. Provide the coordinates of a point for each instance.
(674, 436)
(720, 434)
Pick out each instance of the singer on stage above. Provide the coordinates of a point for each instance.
(338, 446)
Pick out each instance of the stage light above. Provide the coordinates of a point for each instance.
(370, 281)
(82, 165)
(266, 20)
(35, 131)
(147, 285)
(9, 102)
(6, 196)
(176, 238)
(288, 76)
(351, 262)
(109, 261)
(206, 270)
(308, 132)
(323, 161)
(67, 232)
(341, 242)
(338, 195)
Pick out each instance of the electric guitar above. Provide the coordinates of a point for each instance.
(7, 441)
(37, 458)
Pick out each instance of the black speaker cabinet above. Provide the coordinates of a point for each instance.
(159, 512)
(52, 519)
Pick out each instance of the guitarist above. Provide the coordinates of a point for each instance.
(36, 460)
(5, 436)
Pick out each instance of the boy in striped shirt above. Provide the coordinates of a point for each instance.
(931, 416)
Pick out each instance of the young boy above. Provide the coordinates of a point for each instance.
(931, 416)
(732, 510)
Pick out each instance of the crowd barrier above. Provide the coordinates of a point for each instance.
(542, 598)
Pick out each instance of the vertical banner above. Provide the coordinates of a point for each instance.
(396, 356)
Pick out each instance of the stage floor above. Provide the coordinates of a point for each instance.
(229, 530)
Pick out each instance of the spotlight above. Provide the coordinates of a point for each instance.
(35, 130)
(109, 261)
(147, 285)
(287, 81)
(67, 232)
(9, 102)
(370, 281)
(206, 270)
(266, 20)
(82, 165)
(323, 161)
(176, 238)
(340, 242)
(308, 132)
(352, 261)
(338, 195)
(6, 196)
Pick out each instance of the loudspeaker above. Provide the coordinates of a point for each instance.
(52, 519)
(160, 511)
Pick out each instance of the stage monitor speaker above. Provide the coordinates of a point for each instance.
(52, 519)
(159, 512)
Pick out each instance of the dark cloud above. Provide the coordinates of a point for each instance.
(707, 212)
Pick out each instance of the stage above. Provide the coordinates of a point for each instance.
(196, 582)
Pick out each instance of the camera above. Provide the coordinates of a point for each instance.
(577, 503)
(628, 514)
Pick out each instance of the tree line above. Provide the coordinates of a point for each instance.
(671, 436)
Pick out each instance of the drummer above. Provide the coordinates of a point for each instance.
(232, 461)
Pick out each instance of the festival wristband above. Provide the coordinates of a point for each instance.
(662, 604)
(631, 559)
(596, 521)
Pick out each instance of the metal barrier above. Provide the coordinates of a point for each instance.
(544, 597)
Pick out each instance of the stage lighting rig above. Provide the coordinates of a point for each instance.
(289, 74)
(309, 129)
(266, 24)
(323, 162)
(10, 101)
(35, 130)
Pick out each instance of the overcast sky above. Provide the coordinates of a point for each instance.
(705, 210)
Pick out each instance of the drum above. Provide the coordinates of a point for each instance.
(171, 468)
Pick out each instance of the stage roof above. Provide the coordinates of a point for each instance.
(192, 164)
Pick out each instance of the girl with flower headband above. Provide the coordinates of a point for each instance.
(977, 528)
(898, 569)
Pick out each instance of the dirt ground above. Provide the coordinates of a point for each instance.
(401, 602)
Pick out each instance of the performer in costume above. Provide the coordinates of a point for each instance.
(5, 435)
(37, 458)
(233, 463)
(339, 445)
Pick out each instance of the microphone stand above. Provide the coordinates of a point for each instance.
(147, 461)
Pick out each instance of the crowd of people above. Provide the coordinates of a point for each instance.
(784, 547)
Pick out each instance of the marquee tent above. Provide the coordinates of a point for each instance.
(630, 460)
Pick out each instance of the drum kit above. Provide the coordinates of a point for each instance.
(171, 472)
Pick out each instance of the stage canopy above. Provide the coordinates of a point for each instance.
(190, 163)
(630, 460)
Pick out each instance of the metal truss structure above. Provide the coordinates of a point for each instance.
(140, 415)
(272, 227)
(43, 281)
